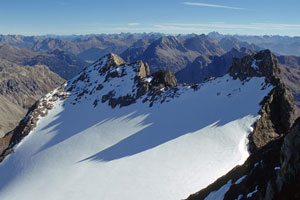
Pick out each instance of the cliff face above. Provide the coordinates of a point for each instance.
(288, 179)
(262, 64)
(277, 116)
(278, 111)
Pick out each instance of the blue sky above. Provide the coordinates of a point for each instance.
(63, 17)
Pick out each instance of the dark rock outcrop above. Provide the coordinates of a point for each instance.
(288, 180)
(262, 64)
(163, 79)
(278, 111)
(276, 117)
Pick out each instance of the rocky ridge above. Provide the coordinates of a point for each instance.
(278, 110)
(99, 82)
(273, 143)
(29, 122)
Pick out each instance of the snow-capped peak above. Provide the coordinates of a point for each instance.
(110, 78)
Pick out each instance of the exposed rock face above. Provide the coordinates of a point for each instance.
(291, 78)
(272, 171)
(278, 113)
(262, 64)
(288, 180)
(113, 60)
(164, 79)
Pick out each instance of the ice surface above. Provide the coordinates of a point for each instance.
(164, 152)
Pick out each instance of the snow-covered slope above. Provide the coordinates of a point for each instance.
(105, 138)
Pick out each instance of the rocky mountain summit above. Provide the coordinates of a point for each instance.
(85, 84)
(262, 64)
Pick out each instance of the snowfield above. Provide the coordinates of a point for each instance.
(167, 151)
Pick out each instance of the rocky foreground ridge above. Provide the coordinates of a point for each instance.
(272, 170)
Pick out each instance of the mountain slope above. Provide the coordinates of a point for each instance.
(116, 131)
(205, 67)
(65, 65)
(172, 53)
(20, 87)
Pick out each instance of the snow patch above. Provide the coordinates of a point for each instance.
(254, 65)
(240, 179)
(251, 193)
(219, 194)
(149, 79)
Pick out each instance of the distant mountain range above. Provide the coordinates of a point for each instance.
(205, 66)
(280, 45)
(62, 63)
(176, 53)
(20, 87)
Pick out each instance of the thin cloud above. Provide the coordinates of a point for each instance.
(133, 24)
(265, 28)
(211, 5)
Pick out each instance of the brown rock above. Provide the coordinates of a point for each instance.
(278, 113)
(164, 79)
(267, 66)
